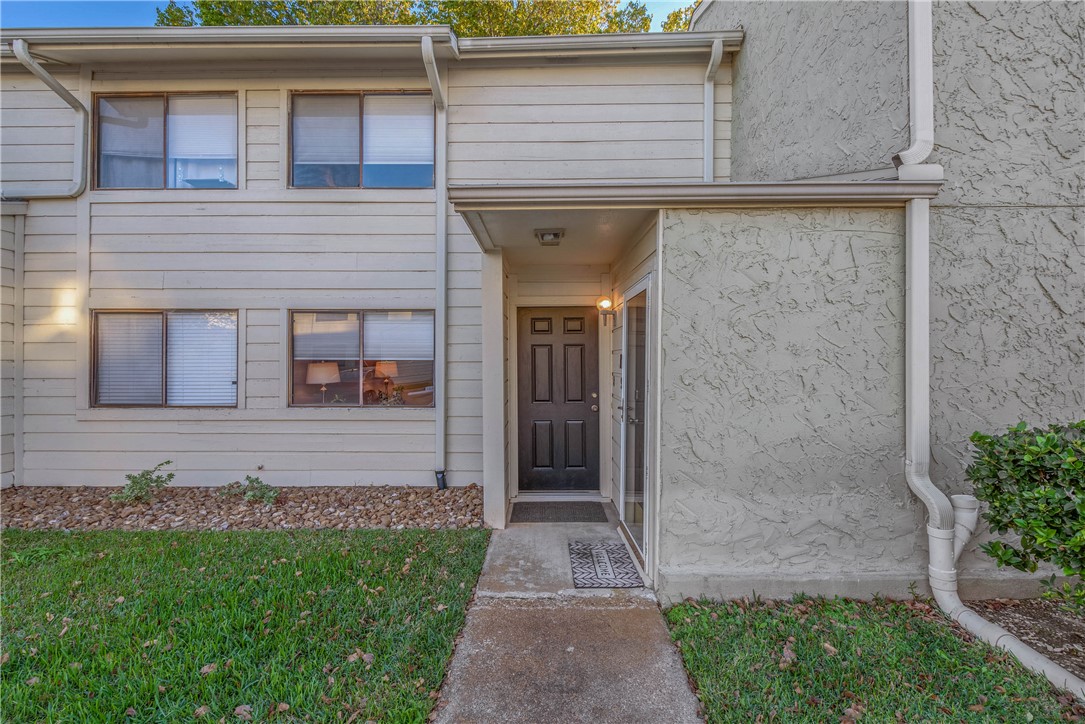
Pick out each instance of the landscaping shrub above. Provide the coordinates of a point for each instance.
(252, 489)
(144, 484)
(1033, 481)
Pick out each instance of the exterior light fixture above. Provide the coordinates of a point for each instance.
(606, 309)
(549, 237)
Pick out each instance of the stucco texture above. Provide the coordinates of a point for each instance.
(1007, 256)
(819, 87)
(782, 398)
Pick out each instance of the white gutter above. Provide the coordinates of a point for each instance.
(951, 522)
(710, 109)
(440, 183)
(79, 163)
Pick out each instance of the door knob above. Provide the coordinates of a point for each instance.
(595, 408)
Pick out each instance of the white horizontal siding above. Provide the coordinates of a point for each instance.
(7, 351)
(36, 145)
(577, 123)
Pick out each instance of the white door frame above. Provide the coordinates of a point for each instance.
(515, 303)
(644, 284)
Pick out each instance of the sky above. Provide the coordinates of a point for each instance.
(139, 13)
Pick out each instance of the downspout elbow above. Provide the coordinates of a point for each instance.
(966, 513)
(79, 173)
(921, 84)
(430, 61)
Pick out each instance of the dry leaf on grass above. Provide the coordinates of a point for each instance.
(201, 712)
(243, 712)
(210, 668)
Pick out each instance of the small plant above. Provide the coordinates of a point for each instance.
(144, 484)
(1033, 481)
(252, 489)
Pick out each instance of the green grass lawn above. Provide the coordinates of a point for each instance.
(156, 626)
(814, 660)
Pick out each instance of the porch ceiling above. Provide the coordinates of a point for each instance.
(592, 236)
(599, 218)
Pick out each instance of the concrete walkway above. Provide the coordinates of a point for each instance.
(537, 650)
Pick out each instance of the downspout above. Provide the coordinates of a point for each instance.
(79, 165)
(951, 523)
(710, 109)
(440, 342)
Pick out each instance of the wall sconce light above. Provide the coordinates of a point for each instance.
(549, 237)
(606, 309)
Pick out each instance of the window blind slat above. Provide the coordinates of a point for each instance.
(400, 336)
(326, 129)
(129, 364)
(326, 336)
(202, 358)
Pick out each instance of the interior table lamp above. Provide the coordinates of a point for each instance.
(323, 374)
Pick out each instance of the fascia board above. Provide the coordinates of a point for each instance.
(474, 198)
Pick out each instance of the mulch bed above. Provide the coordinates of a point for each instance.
(1056, 633)
(342, 508)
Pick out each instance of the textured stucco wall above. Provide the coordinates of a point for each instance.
(1007, 266)
(819, 87)
(782, 403)
(1007, 247)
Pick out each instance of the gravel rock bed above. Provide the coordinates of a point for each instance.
(1044, 625)
(341, 508)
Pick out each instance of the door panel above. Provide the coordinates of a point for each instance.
(558, 373)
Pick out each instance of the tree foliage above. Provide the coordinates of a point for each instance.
(468, 18)
(678, 20)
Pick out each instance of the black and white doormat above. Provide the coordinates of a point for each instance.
(603, 565)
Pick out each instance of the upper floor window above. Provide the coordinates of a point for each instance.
(166, 140)
(352, 140)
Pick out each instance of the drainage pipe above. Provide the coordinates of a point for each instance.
(951, 523)
(440, 322)
(79, 163)
(710, 109)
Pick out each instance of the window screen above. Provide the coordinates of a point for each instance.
(397, 145)
(201, 358)
(129, 364)
(130, 142)
(325, 135)
(325, 368)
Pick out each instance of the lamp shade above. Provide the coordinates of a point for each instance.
(322, 373)
(387, 369)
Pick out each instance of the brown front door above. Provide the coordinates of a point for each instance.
(558, 373)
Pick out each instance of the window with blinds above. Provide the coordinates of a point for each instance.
(350, 140)
(183, 141)
(173, 359)
(397, 141)
(362, 358)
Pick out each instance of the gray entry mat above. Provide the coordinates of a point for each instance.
(603, 565)
(558, 512)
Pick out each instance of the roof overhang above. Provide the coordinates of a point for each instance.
(486, 207)
(75, 46)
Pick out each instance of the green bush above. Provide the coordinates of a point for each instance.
(144, 484)
(252, 489)
(1033, 482)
